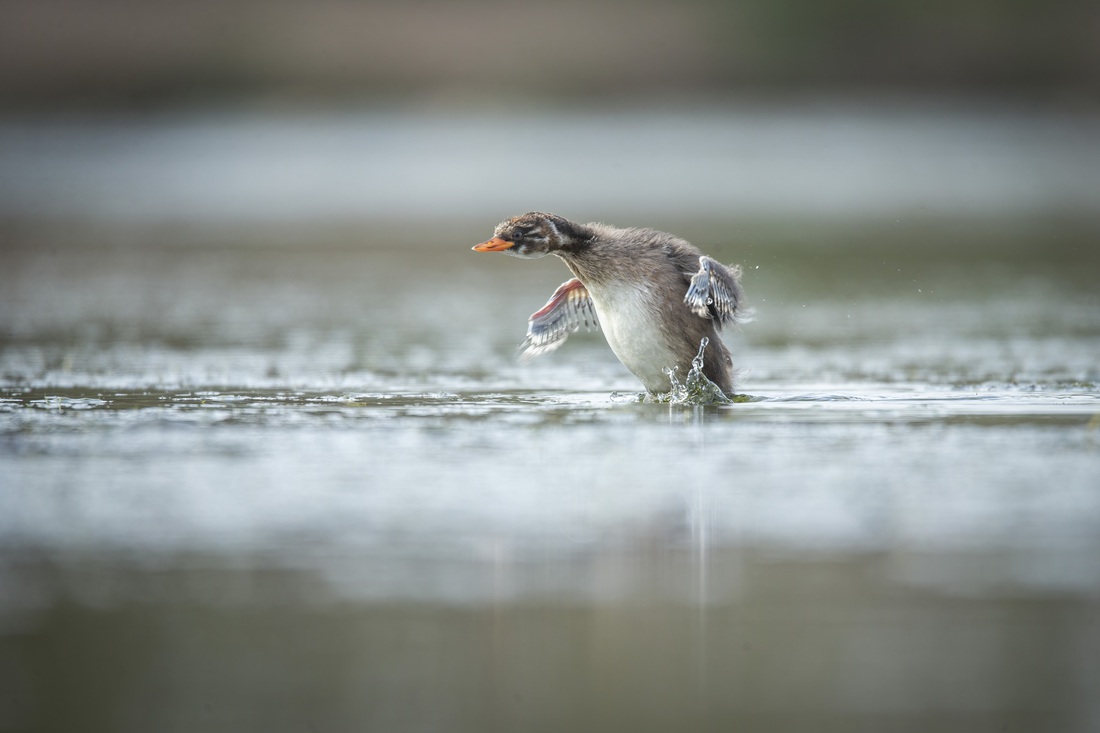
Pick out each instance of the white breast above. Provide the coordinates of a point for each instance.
(628, 318)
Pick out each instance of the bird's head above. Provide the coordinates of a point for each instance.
(531, 235)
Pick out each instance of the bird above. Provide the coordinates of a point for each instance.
(655, 296)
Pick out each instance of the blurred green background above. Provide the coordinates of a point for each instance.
(69, 53)
(354, 113)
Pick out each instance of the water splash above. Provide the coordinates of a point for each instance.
(696, 389)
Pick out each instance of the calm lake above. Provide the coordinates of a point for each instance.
(268, 460)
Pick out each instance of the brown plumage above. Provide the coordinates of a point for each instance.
(655, 295)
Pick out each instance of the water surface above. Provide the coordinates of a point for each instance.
(293, 478)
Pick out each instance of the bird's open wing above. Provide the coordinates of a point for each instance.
(569, 308)
(715, 292)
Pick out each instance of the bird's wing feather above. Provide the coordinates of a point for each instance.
(569, 308)
(715, 292)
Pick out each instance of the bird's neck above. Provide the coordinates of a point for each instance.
(590, 263)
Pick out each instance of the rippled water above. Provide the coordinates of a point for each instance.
(307, 485)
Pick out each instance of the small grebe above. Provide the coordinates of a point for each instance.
(656, 296)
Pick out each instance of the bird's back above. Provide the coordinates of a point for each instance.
(637, 280)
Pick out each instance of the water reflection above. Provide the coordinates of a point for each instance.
(784, 642)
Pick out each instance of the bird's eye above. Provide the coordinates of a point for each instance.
(516, 236)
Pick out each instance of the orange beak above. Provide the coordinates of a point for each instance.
(496, 244)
